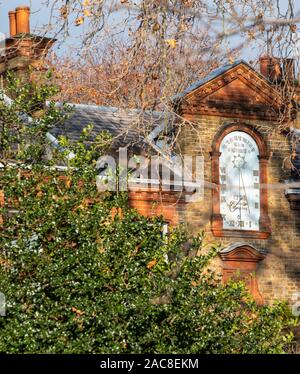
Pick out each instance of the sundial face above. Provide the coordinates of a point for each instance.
(239, 182)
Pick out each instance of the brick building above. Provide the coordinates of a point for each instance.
(251, 197)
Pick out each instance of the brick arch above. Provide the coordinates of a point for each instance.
(264, 154)
(263, 148)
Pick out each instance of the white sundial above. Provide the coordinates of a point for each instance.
(239, 182)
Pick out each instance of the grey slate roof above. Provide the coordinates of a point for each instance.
(127, 127)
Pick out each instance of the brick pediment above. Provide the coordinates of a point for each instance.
(240, 92)
(237, 91)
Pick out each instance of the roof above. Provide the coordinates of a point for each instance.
(212, 75)
(127, 126)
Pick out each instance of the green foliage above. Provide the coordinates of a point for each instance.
(81, 276)
(82, 273)
(25, 122)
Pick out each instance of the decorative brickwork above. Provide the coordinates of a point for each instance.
(240, 262)
(238, 93)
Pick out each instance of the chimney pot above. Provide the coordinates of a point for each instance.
(12, 23)
(22, 19)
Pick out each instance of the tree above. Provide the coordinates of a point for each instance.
(83, 273)
(145, 52)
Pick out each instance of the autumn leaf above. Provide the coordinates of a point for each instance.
(120, 213)
(68, 182)
(79, 21)
(231, 59)
(116, 212)
(101, 250)
(156, 27)
(151, 264)
(39, 194)
(171, 42)
(64, 12)
(1, 198)
(78, 312)
(113, 212)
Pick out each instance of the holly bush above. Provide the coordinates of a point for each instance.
(84, 273)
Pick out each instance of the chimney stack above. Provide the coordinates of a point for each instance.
(12, 23)
(22, 20)
(23, 50)
(270, 68)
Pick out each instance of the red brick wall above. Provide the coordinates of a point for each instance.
(150, 202)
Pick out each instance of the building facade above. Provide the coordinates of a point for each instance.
(250, 172)
(234, 119)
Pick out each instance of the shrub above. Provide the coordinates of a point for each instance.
(84, 274)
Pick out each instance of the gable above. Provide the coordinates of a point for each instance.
(236, 91)
(239, 92)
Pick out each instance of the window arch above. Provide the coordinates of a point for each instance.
(239, 173)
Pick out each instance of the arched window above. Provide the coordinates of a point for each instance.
(239, 173)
